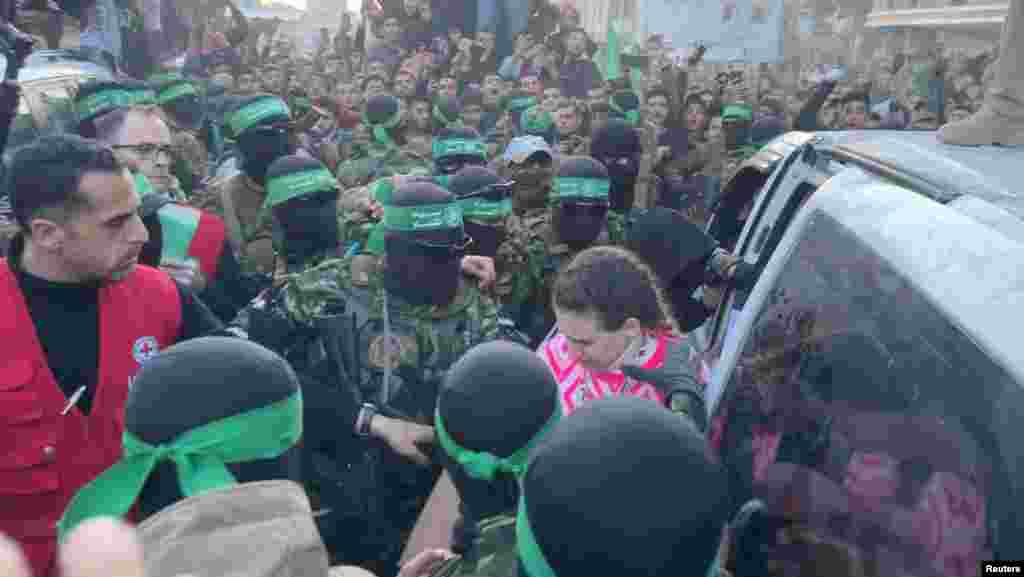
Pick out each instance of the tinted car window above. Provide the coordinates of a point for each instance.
(864, 416)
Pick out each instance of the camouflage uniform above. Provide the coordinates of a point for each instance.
(529, 260)
(380, 161)
(250, 236)
(494, 550)
(327, 301)
(429, 338)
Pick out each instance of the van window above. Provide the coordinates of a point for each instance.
(862, 415)
(734, 206)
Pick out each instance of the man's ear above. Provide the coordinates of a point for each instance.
(47, 234)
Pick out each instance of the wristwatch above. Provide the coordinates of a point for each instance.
(366, 414)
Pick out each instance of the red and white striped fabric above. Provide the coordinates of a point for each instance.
(577, 385)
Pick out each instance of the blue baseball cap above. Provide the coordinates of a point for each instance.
(523, 147)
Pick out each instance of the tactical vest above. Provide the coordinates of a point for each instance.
(420, 352)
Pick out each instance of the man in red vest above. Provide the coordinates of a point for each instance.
(78, 317)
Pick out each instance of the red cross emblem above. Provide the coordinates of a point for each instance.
(144, 349)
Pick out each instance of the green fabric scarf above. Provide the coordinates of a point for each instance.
(199, 455)
(631, 116)
(380, 131)
(485, 466)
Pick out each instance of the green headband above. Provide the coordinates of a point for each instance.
(530, 554)
(112, 99)
(536, 120)
(586, 188)
(380, 130)
(175, 92)
(158, 79)
(252, 114)
(632, 116)
(485, 466)
(302, 102)
(199, 455)
(737, 112)
(532, 557)
(481, 208)
(521, 103)
(457, 147)
(281, 189)
(420, 218)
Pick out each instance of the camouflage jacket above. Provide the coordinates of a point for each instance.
(425, 340)
(354, 222)
(251, 236)
(494, 551)
(380, 162)
(529, 260)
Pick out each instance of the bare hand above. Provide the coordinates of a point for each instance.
(404, 437)
(425, 563)
(97, 548)
(186, 273)
(480, 267)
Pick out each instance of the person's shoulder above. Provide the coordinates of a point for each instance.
(327, 276)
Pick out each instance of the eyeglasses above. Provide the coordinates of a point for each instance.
(147, 150)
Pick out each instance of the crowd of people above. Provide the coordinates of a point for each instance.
(264, 302)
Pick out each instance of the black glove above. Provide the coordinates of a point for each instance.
(681, 390)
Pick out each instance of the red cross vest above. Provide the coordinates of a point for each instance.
(577, 384)
(46, 456)
(192, 233)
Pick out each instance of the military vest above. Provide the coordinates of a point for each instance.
(398, 358)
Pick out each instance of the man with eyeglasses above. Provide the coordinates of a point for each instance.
(188, 243)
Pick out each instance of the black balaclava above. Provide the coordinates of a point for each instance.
(231, 376)
(534, 177)
(179, 98)
(676, 250)
(259, 123)
(581, 196)
(386, 118)
(486, 202)
(302, 195)
(456, 148)
(496, 402)
(617, 145)
(621, 487)
(424, 242)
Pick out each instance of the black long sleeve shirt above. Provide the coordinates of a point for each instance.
(55, 306)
